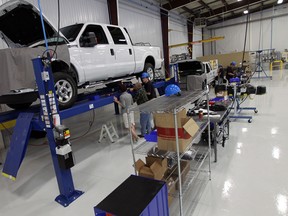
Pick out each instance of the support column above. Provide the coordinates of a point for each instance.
(164, 26)
(202, 42)
(190, 37)
(113, 11)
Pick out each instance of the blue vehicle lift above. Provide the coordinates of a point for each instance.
(38, 118)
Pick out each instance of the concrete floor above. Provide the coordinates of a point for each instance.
(250, 177)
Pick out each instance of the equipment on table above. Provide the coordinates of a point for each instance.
(261, 90)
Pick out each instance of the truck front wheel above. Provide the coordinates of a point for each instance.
(66, 89)
(149, 68)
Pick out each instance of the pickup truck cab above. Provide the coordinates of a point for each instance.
(97, 52)
(102, 52)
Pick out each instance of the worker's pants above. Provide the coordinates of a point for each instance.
(145, 123)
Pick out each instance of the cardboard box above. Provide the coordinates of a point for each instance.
(173, 181)
(185, 167)
(187, 128)
(154, 168)
(171, 185)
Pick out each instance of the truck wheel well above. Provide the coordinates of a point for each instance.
(60, 66)
(151, 60)
(74, 74)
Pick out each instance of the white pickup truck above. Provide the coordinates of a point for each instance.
(196, 67)
(98, 52)
(211, 73)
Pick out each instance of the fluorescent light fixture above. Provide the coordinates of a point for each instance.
(279, 1)
(246, 12)
(239, 0)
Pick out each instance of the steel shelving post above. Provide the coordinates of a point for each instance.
(178, 162)
(209, 133)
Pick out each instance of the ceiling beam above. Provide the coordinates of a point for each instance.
(226, 4)
(176, 4)
(262, 7)
(186, 9)
(231, 7)
(206, 6)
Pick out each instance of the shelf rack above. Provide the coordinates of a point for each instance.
(174, 104)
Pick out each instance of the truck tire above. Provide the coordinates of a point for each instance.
(149, 68)
(66, 89)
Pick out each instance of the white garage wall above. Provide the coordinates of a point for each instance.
(73, 11)
(178, 34)
(142, 22)
(259, 32)
(197, 48)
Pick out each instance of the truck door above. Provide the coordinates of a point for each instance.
(123, 51)
(95, 59)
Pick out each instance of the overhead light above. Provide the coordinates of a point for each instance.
(279, 1)
(246, 12)
(239, 0)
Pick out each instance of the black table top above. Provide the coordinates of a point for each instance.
(131, 197)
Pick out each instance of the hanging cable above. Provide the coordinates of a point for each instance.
(58, 29)
(245, 40)
(43, 26)
(261, 31)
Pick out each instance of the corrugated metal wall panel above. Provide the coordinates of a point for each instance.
(208, 46)
(178, 34)
(280, 32)
(260, 35)
(73, 11)
(234, 39)
(197, 48)
(142, 24)
(256, 39)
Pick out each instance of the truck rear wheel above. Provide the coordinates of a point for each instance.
(66, 89)
(149, 68)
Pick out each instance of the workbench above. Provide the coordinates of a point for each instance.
(221, 130)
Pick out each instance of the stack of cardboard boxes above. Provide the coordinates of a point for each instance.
(165, 125)
(157, 168)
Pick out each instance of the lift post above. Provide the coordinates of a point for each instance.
(49, 109)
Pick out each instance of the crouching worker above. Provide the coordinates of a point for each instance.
(140, 98)
(125, 102)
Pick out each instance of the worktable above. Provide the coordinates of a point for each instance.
(221, 129)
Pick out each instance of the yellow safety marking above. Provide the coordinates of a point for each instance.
(9, 176)
(7, 125)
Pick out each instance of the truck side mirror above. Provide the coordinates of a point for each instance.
(89, 40)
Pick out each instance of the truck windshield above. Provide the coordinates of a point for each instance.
(71, 32)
